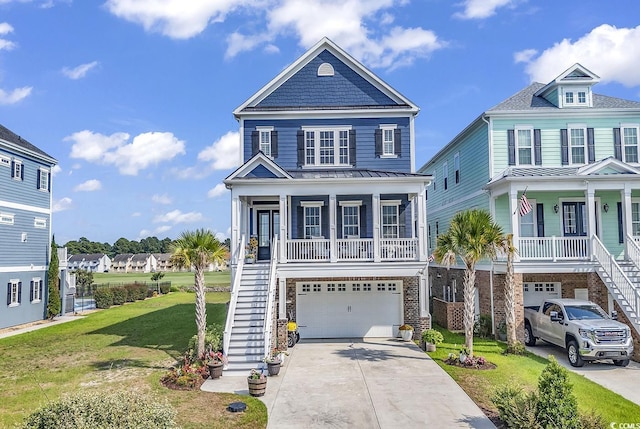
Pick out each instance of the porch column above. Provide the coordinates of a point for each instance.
(376, 227)
(515, 219)
(282, 233)
(423, 292)
(590, 195)
(333, 245)
(235, 230)
(422, 226)
(282, 298)
(626, 213)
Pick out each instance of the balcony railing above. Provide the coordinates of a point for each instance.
(554, 248)
(351, 249)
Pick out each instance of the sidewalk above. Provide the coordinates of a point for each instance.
(33, 326)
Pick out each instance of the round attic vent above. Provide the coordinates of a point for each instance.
(325, 69)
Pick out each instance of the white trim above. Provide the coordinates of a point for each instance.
(36, 290)
(531, 143)
(39, 222)
(312, 203)
(456, 160)
(16, 283)
(582, 127)
(325, 69)
(336, 131)
(5, 161)
(350, 203)
(445, 176)
(390, 202)
(48, 173)
(16, 206)
(624, 126)
(22, 269)
(392, 128)
(7, 218)
(16, 163)
(412, 142)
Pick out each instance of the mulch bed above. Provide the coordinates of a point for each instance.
(170, 384)
(456, 362)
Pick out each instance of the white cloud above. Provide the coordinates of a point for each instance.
(6, 28)
(144, 150)
(224, 153)
(161, 199)
(136, 214)
(220, 236)
(480, 9)
(161, 229)
(149, 233)
(79, 71)
(56, 170)
(14, 96)
(524, 56)
(610, 52)
(217, 191)
(62, 204)
(176, 216)
(88, 186)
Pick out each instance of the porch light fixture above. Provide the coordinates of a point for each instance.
(556, 208)
(605, 207)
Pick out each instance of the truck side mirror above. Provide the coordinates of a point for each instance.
(554, 316)
(614, 315)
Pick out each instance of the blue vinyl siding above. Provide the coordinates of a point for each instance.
(23, 191)
(365, 141)
(17, 253)
(27, 311)
(345, 88)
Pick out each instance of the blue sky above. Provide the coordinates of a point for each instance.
(134, 97)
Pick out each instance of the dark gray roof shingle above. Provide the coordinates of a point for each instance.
(11, 137)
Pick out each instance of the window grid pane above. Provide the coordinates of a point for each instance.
(344, 147)
(351, 221)
(630, 141)
(577, 146)
(582, 97)
(569, 97)
(390, 222)
(524, 147)
(387, 142)
(265, 142)
(310, 153)
(311, 222)
(635, 219)
(326, 147)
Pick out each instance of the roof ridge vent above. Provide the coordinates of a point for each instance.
(326, 69)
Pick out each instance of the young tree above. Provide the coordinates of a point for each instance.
(510, 293)
(198, 249)
(557, 405)
(472, 236)
(53, 302)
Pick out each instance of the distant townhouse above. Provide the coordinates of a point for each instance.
(25, 228)
(573, 155)
(143, 263)
(163, 262)
(121, 263)
(93, 262)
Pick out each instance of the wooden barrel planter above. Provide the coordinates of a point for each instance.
(257, 386)
(215, 369)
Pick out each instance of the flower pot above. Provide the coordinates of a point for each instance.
(257, 386)
(215, 369)
(249, 260)
(406, 335)
(428, 347)
(274, 367)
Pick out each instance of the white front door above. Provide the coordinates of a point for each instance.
(349, 309)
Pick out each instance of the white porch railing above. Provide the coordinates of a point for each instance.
(355, 249)
(553, 248)
(398, 249)
(239, 257)
(313, 249)
(633, 250)
(271, 298)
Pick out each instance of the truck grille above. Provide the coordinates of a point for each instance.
(617, 336)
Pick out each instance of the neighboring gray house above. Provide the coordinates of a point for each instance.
(163, 262)
(25, 228)
(93, 262)
(143, 263)
(121, 263)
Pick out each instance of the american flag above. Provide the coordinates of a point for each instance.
(525, 205)
(432, 258)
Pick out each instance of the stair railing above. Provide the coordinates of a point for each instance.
(271, 297)
(633, 250)
(624, 285)
(239, 257)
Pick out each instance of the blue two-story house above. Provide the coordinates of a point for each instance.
(25, 229)
(573, 154)
(328, 189)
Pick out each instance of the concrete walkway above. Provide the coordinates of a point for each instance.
(21, 329)
(623, 381)
(371, 383)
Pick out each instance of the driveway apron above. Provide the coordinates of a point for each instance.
(370, 383)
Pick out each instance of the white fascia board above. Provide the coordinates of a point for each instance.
(14, 147)
(362, 270)
(17, 206)
(582, 113)
(23, 269)
(328, 114)
(295, 187)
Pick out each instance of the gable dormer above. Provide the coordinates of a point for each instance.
(571, 89)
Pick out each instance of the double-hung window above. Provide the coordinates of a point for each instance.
(312, 219)
(630, 142)
(635, 219)
(43, 179)
(576, 97)
(445, 173)
(456, 166)
(577, 144)
(36, 289)
(17, 170)
(528, 226)
(524, 145)
(388, 140)
(265, 139)
(350, 218)
(13, 294)
(326, 146)
(390, 219)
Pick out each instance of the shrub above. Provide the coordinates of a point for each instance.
(136, 291)
(432, 336)
(130, 292)
(517, 408)
(516, 348)
(212, 341)
(557, 406)
(174, 289)
(157, 276)
(119, 295)
(103, 297)
(482, 327)
(591, 420)
(165, 287)
(117, 410)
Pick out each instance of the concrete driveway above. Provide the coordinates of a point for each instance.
(370, 383)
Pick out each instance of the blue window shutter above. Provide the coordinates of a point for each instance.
(324, 221)
(40, 289)
(537, 146)
(591, 146)
(31, 290)
(8, 293)
(511, 145)
(617, 144)
(402, 221)
(300, 228)
(13, 169)
(38, 179)
(620, 224)
(49, 182)
(564, 147)
(274, 144)
(255, 142)
(363, 221)
(352, 147)
(540, 219)
(22, 172)
(397, 141)
(378, 139)
(19, 292)
(300, 140)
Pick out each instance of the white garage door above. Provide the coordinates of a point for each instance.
(349, 309)
(534, 293)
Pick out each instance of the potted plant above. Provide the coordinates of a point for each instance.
(257, 383)
(274, 361)
(251, 251)
(406, 332)
(431, 338)
(215, 361)
(464, 354)
(502, 331)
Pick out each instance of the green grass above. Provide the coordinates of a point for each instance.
(182, 278)
(121, 348)
(524, 371)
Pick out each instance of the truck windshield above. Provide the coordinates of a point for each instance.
(584, 312)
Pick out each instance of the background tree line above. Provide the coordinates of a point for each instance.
(123, 245)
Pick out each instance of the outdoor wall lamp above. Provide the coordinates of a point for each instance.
(605, 207)
(555, 208)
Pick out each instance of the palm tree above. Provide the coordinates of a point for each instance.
(509, 292)
(472, 236)
(198, 249)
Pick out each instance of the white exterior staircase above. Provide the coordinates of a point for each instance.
(246, 349)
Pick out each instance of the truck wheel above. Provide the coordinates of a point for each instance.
(291, 339)
(529, 339)
(573, 353)
(622, 362)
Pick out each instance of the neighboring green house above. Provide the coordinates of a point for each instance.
(575, 154)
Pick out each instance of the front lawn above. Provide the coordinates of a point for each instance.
(178, 278)
(525, 370)
(126, 347)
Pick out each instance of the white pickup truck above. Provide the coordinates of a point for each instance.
(582, 328)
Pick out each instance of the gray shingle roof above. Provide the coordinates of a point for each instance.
(525, 100)
(540, 172)
(86, 257)
(348, 173)
(123, 257)
(11, 137)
